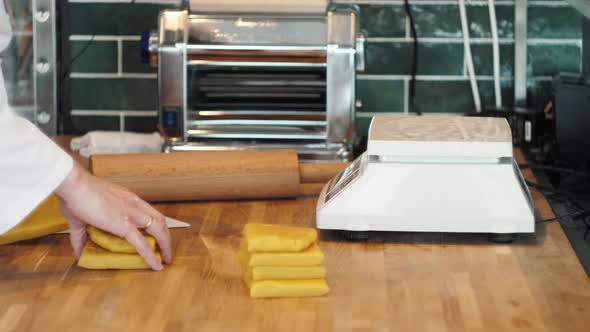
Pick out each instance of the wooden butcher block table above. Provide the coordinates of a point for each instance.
(408, 282)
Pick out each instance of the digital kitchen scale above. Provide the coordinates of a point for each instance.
(431, 174)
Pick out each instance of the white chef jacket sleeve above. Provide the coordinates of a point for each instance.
(31, 165)
(31, 168)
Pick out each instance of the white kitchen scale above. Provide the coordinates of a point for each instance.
(431, 174)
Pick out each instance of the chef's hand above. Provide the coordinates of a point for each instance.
(88, 200)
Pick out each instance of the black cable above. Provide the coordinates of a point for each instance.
(68, 69)
(575, 215)
(565, 197)
(83, 50)
(569, 198)
(574, 204)
(78, 55)
(566, 193)
(554, 168)
(412, 86)
(578, 208)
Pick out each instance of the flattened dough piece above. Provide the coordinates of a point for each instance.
(276, 238)
(312, 256)
(114, 243)
(96, 258)
(288, 288)
(286, 272)
(44, 220)
(280, 272)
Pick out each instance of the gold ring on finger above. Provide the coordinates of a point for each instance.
(149, 223)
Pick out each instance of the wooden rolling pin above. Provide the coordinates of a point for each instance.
(214, 175)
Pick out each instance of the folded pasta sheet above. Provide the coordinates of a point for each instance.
(287, 288)
(97, 258)
(312, 256)
(44, 220)
(286, 272)
(282, 261)
(114, 243)
(276, 238)
(280, 272)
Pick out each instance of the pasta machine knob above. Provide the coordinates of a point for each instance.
(148, 46)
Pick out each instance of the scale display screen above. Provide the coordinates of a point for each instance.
(346, 177)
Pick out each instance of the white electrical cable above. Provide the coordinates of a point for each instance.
(468, 56)
(496, 50)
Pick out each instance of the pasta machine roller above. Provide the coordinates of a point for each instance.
(259, 75)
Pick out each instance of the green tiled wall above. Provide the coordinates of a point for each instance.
(114, 94)
(111, 89)
(98, 57)
(382, 96)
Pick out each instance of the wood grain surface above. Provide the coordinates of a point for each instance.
(400, 282)
(319, 172)
(202, 175)
(214, 175)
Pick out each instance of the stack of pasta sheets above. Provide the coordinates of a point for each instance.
(282, 261)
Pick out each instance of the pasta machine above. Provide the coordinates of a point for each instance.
(431, 174)
(259, 74)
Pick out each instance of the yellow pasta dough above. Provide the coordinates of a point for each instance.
(282, 261)
(97, 258)
(274, 238)
(286, 272)
(280, 272)
(312, 256)
(287, 288)
(44, 220)
(114, 243)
